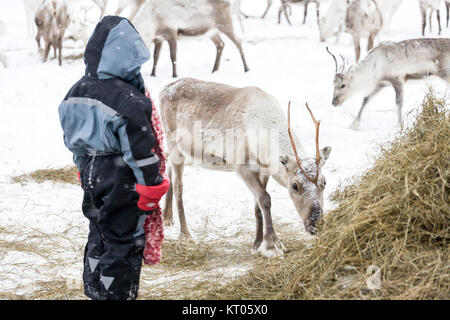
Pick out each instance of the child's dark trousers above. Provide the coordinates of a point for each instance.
(113, 253)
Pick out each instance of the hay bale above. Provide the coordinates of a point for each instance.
(395, 217)
(64, 175)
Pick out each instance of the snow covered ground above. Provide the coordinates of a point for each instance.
(42, 229)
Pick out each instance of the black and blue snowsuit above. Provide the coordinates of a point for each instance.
(106, 119)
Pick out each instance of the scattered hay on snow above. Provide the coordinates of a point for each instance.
(65, 175)
(395, 217)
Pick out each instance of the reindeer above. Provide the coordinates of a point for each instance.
(429, 6)
(334, 21)
(363, 19)
(285, 5)
(239, 111)
(169, 19)
(52, 19)
(388, 8)
(391, 64)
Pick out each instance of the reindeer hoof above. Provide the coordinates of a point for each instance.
(354, 125)
(168, 222)
(271, 250)
(185, 237)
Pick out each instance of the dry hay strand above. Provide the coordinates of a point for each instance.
(64, 175)
(395, 217)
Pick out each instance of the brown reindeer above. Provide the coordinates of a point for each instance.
(166, 20)
(197, 115)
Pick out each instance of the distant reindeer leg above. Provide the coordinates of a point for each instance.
(447, 7)
(318, 12)
(355, 123)
(168, 208)
(424, 20)
(259, 218)
(269, 4)
(357, 48)
(285, 6)
(219, 46)
(438, 15)
(3, 60)
(227, 29)
(371, 40)
(430, 22)
(158, 44)
(178, 193)
(305, 11)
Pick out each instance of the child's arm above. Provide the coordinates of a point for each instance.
(137, 140)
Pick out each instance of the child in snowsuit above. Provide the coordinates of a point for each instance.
(106, 119)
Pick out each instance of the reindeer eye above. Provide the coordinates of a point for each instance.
(295, 187)
(343, 86)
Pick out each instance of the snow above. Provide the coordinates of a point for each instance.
(289, 62)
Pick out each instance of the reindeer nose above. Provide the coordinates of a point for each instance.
(335, 102)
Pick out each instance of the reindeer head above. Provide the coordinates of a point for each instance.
(341, 82)
(305, 180)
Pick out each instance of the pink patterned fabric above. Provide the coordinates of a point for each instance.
(154, 225)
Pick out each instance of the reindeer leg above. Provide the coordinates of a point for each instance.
(438, 15)
(285, 13)
(178, 192)
(168, 208)
(398, 87)
(370, 41)
(219, 46)
(270, 246)
(3, 60)
(60, 53)
(47, 50)
(227, 29)
(447, 7)
(269, 4)
(424, 20)
(172, 39)
(355, 123)
(357, 48)
(259, 218)
(318, 12)
(158, 44)
(305, 12)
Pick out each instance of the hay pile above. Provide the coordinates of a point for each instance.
(395, 217)
(64, 175)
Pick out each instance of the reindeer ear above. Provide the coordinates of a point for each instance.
(284, 161)
(324, 154)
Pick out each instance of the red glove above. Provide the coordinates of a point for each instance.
(79, 177)
(150, 195)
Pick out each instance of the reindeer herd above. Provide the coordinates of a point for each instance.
(221, 108)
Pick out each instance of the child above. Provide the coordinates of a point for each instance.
(106, 119)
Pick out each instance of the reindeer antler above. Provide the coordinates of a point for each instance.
(317, 124)
(334, 58)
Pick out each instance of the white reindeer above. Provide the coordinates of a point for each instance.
(236, 113)
(388, 8)
(166, 20)
(363, 20)
(427, 7)
(392, 64)
(334, 21)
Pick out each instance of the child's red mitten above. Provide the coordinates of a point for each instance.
(150, 195)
